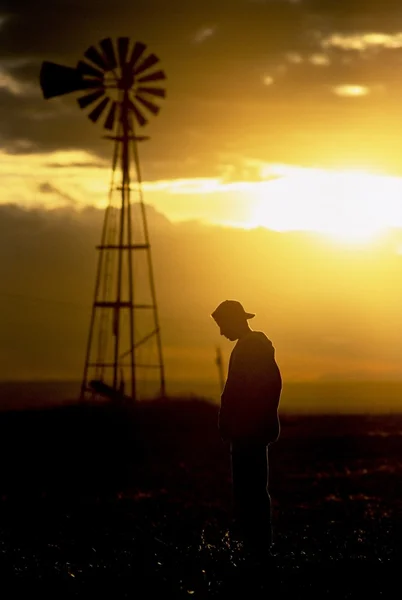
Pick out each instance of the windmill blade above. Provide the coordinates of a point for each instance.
(108, 53)
(149, 105)
(138, 50)
(122, 49)
(98, 110)
(94, 56)
(161, 93)
(138, 115)
(56, 80)
(149, 62)
(157, 76)
(109, 123)
(85, 101)
(86, 69)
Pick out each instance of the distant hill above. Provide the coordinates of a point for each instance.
(362, 397)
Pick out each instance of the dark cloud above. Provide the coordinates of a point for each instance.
(76, 165)
(215, 82)
(239, 169)
(48, 188)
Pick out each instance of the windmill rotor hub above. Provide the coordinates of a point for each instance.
(126, 81)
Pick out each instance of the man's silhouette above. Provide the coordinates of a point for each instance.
(248, 419)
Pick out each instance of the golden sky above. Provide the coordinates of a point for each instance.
(353, 206)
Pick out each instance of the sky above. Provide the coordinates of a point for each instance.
(254, 89)
(281, 114)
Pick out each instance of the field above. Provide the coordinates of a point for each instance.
(97, 499)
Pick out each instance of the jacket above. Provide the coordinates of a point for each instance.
(250, 399)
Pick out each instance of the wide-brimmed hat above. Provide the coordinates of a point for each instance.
(231, 309)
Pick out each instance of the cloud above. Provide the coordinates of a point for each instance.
(268, 80)
(204, 33)
(320, 60)
(23, 176)
(240, 169)
(294, 58)
(48, 188)
(78, 165)
(13, 86)
(363, 41)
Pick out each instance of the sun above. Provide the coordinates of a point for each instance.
(348, 206)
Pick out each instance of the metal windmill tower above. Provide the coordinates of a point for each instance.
(121, 82)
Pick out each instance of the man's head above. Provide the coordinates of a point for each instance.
(231, 318)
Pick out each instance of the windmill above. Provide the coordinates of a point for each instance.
(120, 85)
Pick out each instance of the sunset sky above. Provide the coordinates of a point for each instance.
(282, 114)
(295, 90)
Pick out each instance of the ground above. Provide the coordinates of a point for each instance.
(97, 499)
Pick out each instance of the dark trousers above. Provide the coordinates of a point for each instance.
(251, 500)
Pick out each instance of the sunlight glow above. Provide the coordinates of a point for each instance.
(346, 205)
(351, 90)
(349, 206)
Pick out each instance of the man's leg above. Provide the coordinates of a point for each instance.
(252, 503)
